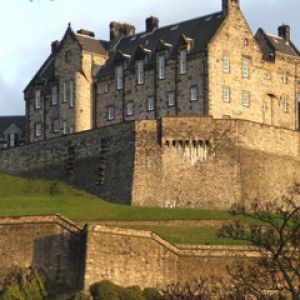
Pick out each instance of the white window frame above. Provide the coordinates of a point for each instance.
(72, 93)
(194, 93)
(111, 113)
(246, 67)
(162, 67)
(37, 99)
(246, 98)
(286, 105)
(38, 129)
(171, 98)
(226, 63)
(183, 62)
(130, 108)
(65, 127)
(65, 98)
(226, 94)
(140, 71)
(150, 103)
(120, 77)
(55, 126)
(54, 95)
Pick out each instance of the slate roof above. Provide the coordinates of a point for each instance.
(7, 121)
(201, 30)
(91, 44)
(282, 46)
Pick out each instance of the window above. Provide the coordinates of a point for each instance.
(183, 61)
(150, 103)
(226, 63)
(130, 108)
(54, 95)
(285, 78)
(162, 67)
(140, 66)
(120, 77)
(246, 98)
(246, 67)
(65, 98)
(111, 112)
(194, 93)
(71, 130)
(246, 42)
(226, 94)
(37, 100)
(171, 98)
(107, 88)
(12, 140)
(286, 106)
(65, 127)
(71, 88)
(38, 129)
(55, 126)
(68, 56)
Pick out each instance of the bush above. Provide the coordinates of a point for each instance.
(151, 294)
(23, 285)
(131, 293)
(105, 290)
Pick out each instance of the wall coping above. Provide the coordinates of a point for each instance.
(180, 250)
(42, 219)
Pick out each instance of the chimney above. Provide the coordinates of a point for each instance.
(228, 4)
(86, 32)
(118, 30)
(152, 23)
(284, 31)
(54, 47)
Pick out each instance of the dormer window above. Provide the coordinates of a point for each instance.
(140, 71)
(37, 99)
(68, 56)
(183, 61)
(162, 67)
(54, 95)
(120, 77)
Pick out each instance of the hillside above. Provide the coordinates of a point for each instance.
(19, 196)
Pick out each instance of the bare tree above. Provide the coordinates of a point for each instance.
(276, 235)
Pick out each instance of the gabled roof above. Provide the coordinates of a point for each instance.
(7, 121)
(200, 30)
(280, 45)
(91, 44)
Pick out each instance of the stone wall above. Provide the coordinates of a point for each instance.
(136, 257)
(51, 244)
(176, 162)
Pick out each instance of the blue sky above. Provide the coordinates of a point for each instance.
(29, 27)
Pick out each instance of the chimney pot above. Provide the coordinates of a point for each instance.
(117, 30)
(284, 31)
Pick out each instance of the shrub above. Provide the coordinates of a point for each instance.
(151, 294)
(105, 290)
(131, 293)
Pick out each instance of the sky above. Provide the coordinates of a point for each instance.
(28, 28)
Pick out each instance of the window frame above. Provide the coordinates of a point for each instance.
(174, 98)
(56, 125)
(38, 133)
(226, 92)
(130, 108)
(183, 62)
(38, 99)
(161, 67)
(71, 93)
(120, 77)
(150, 100)
(194, 88)
(246, 93)
(140, 72)
(286, 105)
(226, 63)
(246, 61)
(54, 95)
(111, 113)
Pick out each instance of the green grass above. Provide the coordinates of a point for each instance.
(19, 196)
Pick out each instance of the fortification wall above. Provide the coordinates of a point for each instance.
(136, 257)
(176, 162)
(48, 243)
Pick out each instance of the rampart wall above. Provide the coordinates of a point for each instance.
(75, 258)
(175, 162)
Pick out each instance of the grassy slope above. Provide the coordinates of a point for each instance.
(20, 196)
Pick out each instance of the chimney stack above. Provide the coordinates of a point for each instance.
(152, 23)
(118, 30)
(227, 4)
(284, 31)
(54, 47)
(86, 32)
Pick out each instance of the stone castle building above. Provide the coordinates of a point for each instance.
(211, 65)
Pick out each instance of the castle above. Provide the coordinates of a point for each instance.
(212, 65)
(197, 114)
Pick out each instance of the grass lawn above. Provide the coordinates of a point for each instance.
(20, 196)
